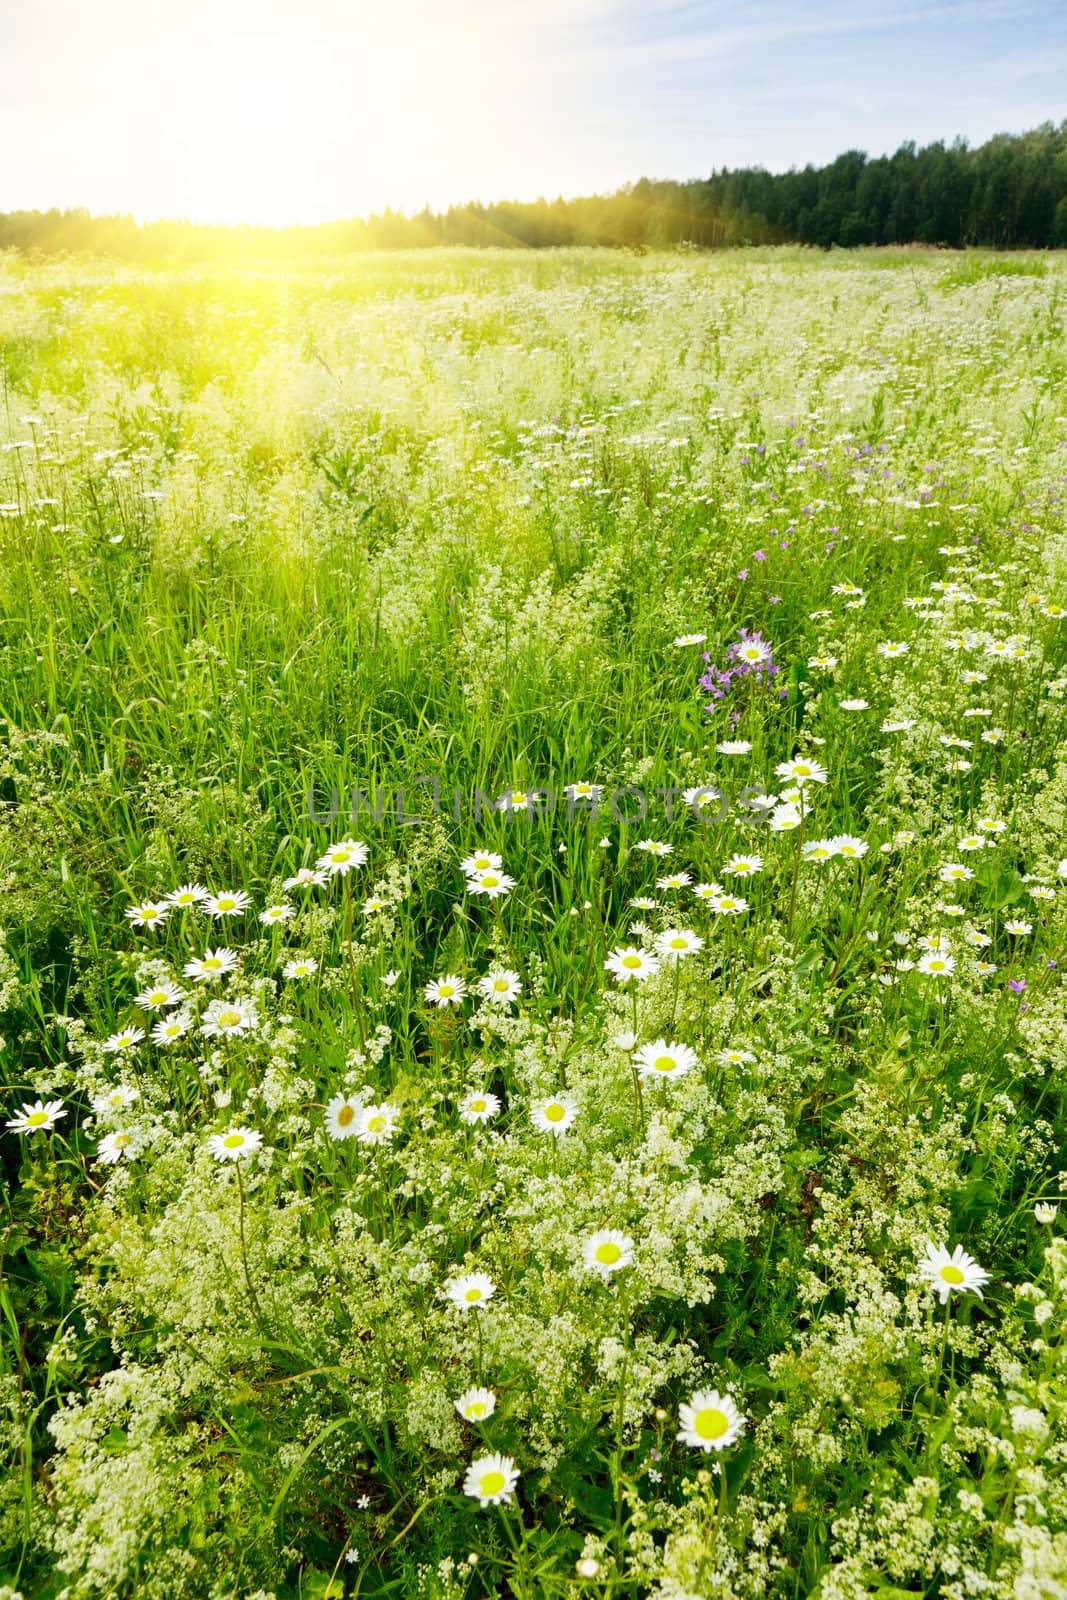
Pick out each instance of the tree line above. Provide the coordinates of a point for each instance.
(1009, 193)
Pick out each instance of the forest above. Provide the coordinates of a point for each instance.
(1007, 194)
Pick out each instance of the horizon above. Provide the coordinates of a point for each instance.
(269, 116)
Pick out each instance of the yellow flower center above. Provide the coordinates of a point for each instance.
(607, 1254)
(229, 1019)
(36, 1119)
(952, 1274)
(802, 772)
(492, 1482)
(631, 962)
(345, 1116)
(501, 985)
(233, 1141)
(489, 882)
(121, 1141)
(477, 1105)
(226, 902)
(711, 1423)
(446, 990)
(376, 1125)
(473, 1295)
(211, 964)
(555, 1113)
(678, 944)
(664, 1064)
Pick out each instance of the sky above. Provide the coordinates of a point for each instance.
(284, 111)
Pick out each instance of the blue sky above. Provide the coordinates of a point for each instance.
(279, 111)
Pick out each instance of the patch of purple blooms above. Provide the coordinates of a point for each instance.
(721, 681)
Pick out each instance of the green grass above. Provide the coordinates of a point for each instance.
(443, 516)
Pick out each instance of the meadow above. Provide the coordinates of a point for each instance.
(532, 818)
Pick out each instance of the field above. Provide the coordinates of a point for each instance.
(532, 969)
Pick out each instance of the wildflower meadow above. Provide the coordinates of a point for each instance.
(532, 938)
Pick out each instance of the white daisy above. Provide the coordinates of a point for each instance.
(211, 966)
(342, 1116)
(340, 858)
(303, 967)
(446, 991)
(159, 996)
(479, 1106)
(493, 884)
(481, 861)
(114, 1146)
(554, 1115)
(475, 1405)
(227, 903)
(306, 878)
(38, 1117)
(168, 1030)
(947, 1274)
(125, 1039)
(630, 965)
(711, 1421)
(491, 1480)
(187, 897)
(115, 1099)
(471, 1291)
(658, 1061)
(149, 914)
(674, 944)
(743, 866)
(608, 1251)
(228, 1019)
(378, 1124)
(500, 986)
(270, 916)
(236, 1144)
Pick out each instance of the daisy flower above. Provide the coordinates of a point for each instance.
(847, 845)
(115, 1099)
(785, 818)
(801, 770)
(936, 966)
(608, 1251)
(734, 747)
(38, 1117)
(149, 914)
(446, 991)
(491, 1480)
(228, 1019)
(271, 915)
(854, 705)
(728, 905)
(735, 1058)
(125, 1039)
(1018, 927)
(113, 1146)
(304, 967)
(659, 1060)
(159, 996)
(642, 902)
(707, 891)
(187, 897)
(481, 861)
(492, 884)
(470, 1291)
(480, 1106)
(228, 903)
(342, 1113)
(954, 872)
(947, 1274)
(630, 965)
(236, 1144)
(373, 904)
(583, 791)
(500, 986)
(743, 866)
(674, 944)
(475, 1405)
(753, 652)
(685, 639)
(168, 1030)
(306, 878)
(554, 1115)
(340, 858)
(973, 841)
(674, 880)
(819, 849)
(654, 847)
(711, 1421)
(377, 1124)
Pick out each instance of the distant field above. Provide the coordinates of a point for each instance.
(641, 1190)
